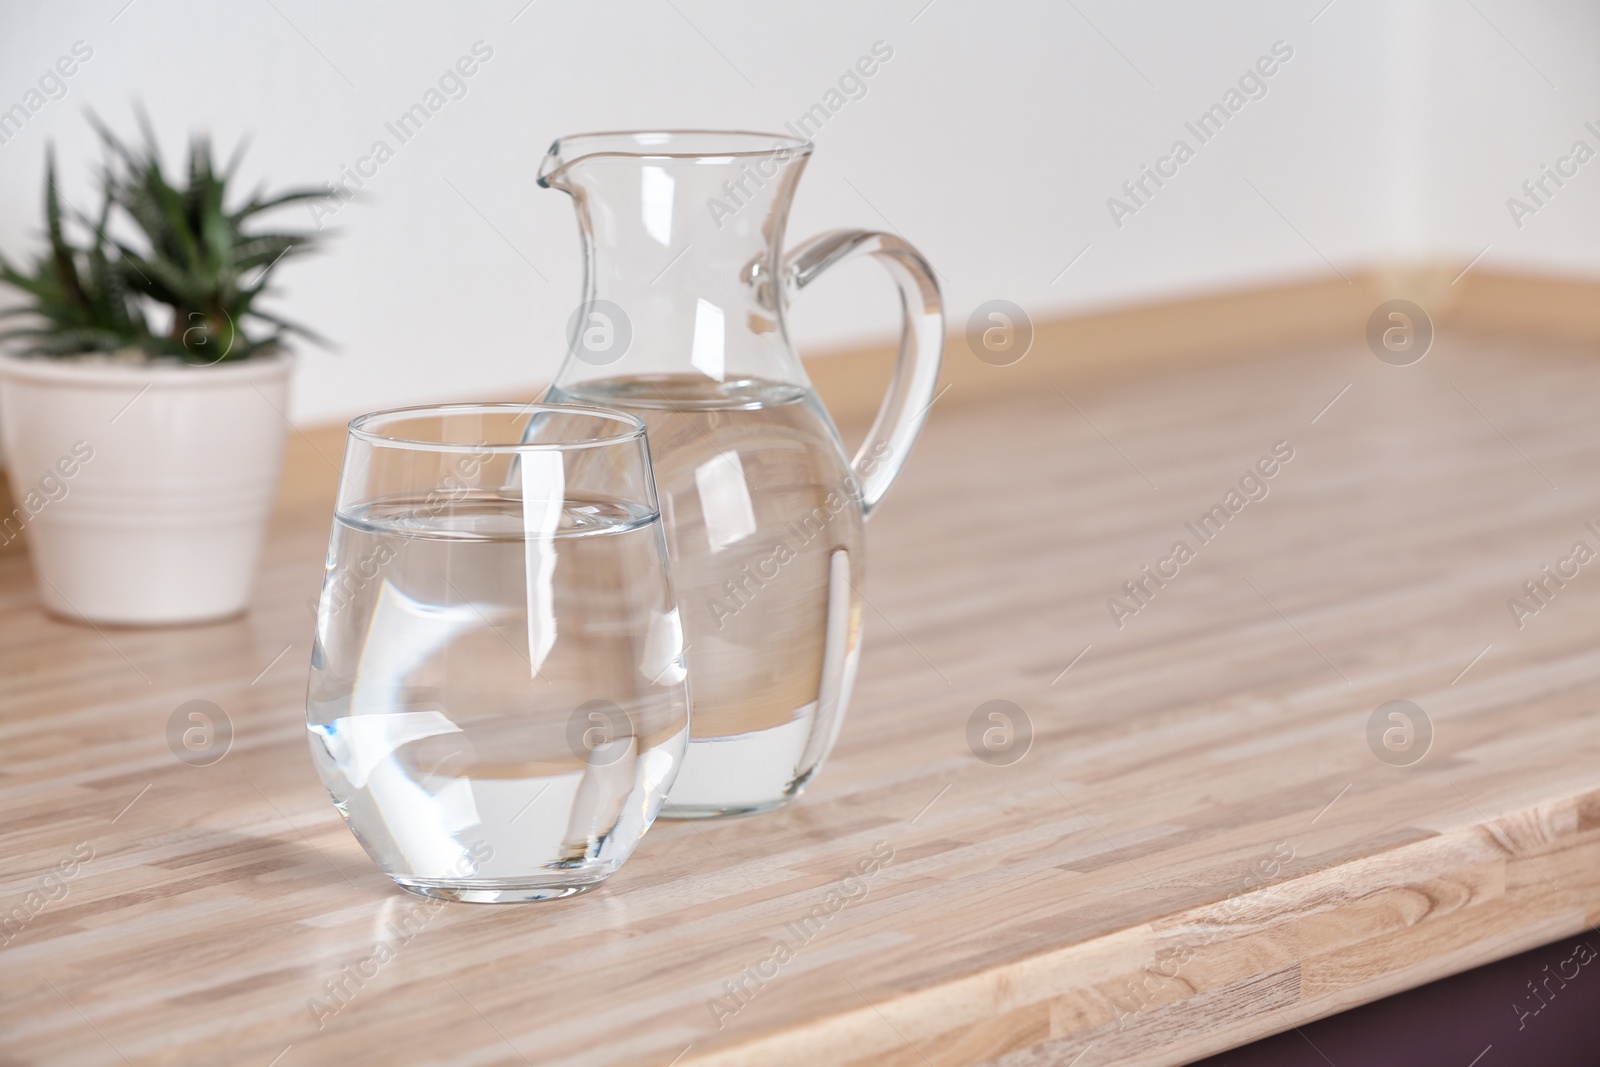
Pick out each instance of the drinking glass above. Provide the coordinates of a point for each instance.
(498, 701)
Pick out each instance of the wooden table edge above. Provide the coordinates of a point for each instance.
(1469, 896)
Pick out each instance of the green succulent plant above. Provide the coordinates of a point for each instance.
(186, 249)
(80, 301)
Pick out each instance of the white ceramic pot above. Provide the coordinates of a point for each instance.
(143, 489)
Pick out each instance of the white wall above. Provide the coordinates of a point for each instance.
(1510, 87)
(992, 139)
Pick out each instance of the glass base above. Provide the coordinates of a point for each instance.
(702, 811)
(498, 892)
(743, 774)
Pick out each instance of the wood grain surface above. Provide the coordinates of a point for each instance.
(1199, 846)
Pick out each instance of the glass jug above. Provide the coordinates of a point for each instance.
(682, 323)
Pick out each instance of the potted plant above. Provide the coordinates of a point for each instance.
(143, 401)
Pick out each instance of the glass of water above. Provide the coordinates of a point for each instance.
(498, 700)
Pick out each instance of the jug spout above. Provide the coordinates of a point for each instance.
(682, 234)
(736, 164)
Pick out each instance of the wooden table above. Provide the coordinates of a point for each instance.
(1199, 847)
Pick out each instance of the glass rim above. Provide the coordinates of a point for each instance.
(358, 427)
(740, 144)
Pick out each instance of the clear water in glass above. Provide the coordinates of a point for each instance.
(497, 714)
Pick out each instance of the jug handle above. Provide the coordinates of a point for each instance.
(916, 370)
